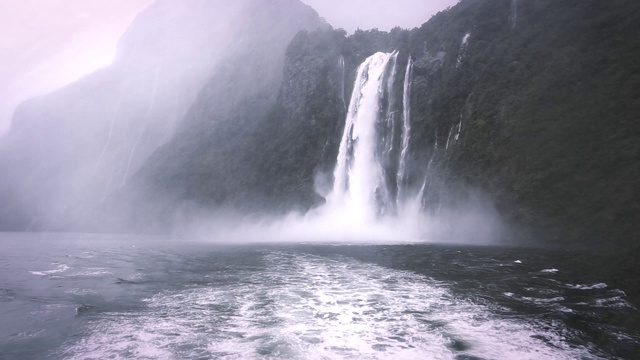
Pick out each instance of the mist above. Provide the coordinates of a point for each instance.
(169, 72)
(45, 46)
(70, 150)
(306, 179)
(375, 193)
(475, 222)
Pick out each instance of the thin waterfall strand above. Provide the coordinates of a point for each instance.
(406, 132)
(341, 68)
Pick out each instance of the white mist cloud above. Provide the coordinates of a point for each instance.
(45, 45)
(472, 222)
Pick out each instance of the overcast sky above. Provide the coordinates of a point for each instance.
(46, 44)
(381, 14)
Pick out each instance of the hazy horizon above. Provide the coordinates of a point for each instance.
(46, 46)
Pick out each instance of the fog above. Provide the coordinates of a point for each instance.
(72, 149)
(45, 44)
(474, 222)
(198, 179)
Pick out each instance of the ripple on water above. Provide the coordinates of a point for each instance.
(311, 307)
(587, 287)
(60, 268)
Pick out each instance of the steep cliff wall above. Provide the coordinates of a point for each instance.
(533, 108)
(540, 114)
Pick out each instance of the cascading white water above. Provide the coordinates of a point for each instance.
(341, 68)
(463, 49)
(457, 137)
(358, 175)
(406, 133)
(378, 194)
(372, 197)
(388, 134)
(387, 137)
(371, 173)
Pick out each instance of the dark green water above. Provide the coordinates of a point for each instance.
(96, 297)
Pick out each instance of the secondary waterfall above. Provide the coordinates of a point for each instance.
(341, 69)
(463, 49)
(406, 132)
(370, 177)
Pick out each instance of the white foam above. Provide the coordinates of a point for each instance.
(79, 291)
(613, 302)
(549, 271)
(588, 287)
(309, 307)
(543, 300)
(90, 272)
(60, 268)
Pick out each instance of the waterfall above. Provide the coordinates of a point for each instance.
(463, 49)
(371, 177)
(406, 132)
(359, 185)
(514, 13)
(376, 194)
(457, 137)
(388, 141)
(448, 138)
(341, 68)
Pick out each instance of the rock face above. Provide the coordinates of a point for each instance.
(536, 115)
(540, 113)
(69, 151)
(532, 106)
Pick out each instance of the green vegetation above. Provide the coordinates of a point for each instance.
(548, 112)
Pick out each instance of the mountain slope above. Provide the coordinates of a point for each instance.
(532, 106)
(69, 151)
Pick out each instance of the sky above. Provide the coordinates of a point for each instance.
(382, 14)
(46, 44)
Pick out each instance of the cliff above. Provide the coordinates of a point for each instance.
(529, 104)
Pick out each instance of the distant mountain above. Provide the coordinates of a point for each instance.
(68, 151)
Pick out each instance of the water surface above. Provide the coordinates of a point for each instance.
(77, 296)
